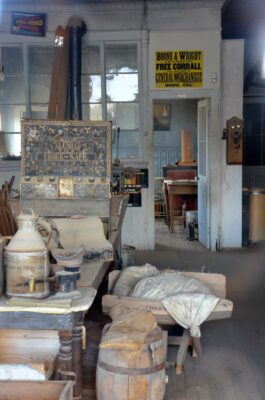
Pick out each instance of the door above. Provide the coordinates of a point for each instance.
(203, 190)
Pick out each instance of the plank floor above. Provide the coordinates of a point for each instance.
(233, 362)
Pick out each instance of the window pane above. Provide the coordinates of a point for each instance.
(91, 60)
(40, 59)
(252, 118)
(128, 145)
(12, 90)
(39, 111)
(253, 150)
(122, 87)
(124, 115)
(10, 122)
(39, 88)
(91, 88)
(92, 112)
(12, 59)
(121, 58)
(12, 144)
(10, 118)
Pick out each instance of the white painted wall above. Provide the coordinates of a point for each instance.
(231, 175)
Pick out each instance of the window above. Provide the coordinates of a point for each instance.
(254, 134)
(91, 83)
(110, 90)
(122, 98)
(40, 68)
(12, 99)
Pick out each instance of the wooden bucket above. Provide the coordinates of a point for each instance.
(133, 375)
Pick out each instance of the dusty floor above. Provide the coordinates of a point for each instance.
(232, 366)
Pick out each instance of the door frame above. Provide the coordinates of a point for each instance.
(207, 105)
(213, 150)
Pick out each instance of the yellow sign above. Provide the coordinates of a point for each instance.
(179, 68)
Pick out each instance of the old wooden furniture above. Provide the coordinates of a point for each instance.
(223, 309)
(181, 188)
(68, 321)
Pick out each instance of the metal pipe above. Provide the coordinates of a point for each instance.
(77, 28)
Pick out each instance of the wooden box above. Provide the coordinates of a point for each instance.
(18, 390)
(216, 282)
(28, 354)
(66, 167)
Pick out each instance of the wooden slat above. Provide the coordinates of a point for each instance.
(222, 310)
(92, 274)
(186, 146)
(59, 80)
(36, 390)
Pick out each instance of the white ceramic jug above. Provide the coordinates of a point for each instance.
(26, 259)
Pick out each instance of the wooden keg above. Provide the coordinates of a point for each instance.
(133, 375)
(257, 215)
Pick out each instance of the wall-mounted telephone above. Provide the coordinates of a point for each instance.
(234, 140)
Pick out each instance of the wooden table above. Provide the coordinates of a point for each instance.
(177, 188)
(67, 321)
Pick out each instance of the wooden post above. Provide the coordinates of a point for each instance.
(77, 355)
(65, 371)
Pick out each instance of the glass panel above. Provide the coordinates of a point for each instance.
(91, 60)
(39, 88)
(12, 91)
(121, 58)
(39, 111)
(122, 87)
(10, 118)
(92, 112)
(252, 118)
(127, 146)
(12, 59)
(253, 150)
(91, 88)
(124, 115)
(40, 59)
(10, 143)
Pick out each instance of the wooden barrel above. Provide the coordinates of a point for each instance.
(133, 375)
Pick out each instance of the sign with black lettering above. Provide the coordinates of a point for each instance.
(179, 68)
(30, 24)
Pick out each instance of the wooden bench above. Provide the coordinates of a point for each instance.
(223, 309)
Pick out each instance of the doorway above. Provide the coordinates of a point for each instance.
(180, 129)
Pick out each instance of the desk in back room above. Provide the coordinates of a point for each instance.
(180, 190)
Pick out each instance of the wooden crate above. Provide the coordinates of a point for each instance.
(30, 353)
(17, 390)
